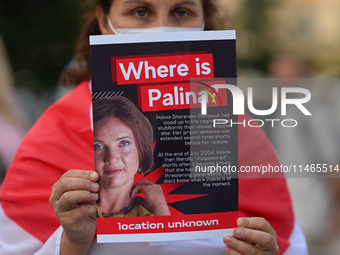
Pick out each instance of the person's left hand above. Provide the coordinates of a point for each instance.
(252, 236)
(154, 200)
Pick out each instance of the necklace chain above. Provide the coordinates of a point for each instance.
(125, 210)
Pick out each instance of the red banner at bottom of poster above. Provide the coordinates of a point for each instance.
(161, 228)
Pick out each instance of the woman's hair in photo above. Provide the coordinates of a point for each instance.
(81, 71)
(124, 110)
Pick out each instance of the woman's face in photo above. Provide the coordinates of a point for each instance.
(155, 13)
(116, 154)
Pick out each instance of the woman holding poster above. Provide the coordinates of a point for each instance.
(62, 140)
(122, 148)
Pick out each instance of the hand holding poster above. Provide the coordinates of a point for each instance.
(162, 163)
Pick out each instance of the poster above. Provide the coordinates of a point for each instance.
(160, 153)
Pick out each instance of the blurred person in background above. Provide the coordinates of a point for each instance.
(288, 66)
(315, 140)
(11, 126)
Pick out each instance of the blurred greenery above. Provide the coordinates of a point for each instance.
(255, 23)
(40, 36)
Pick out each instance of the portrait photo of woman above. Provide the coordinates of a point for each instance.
(123, 140)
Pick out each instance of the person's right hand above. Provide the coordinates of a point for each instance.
(73, 200)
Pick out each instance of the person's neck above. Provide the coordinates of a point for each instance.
(114, 199)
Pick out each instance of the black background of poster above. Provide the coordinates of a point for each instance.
(221, 199)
